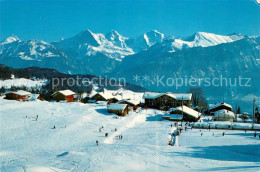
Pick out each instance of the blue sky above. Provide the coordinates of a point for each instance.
(50, 20)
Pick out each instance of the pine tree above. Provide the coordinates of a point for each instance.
(238, 110)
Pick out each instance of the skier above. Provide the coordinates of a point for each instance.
(255, 134)
(115, 129)
(100, 130)
(106, 134)
(223, 134)
(96, 142)
(201, 134)
(54, 127)
(171, 125)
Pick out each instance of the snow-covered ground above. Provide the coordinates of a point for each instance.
(30, 145)
(19, 82)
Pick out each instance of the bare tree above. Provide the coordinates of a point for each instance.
(198, 98)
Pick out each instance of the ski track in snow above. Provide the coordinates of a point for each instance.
(30, 145)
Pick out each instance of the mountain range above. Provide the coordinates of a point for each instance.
(199, 55)
(97, 53)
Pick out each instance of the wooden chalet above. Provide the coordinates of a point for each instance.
(99, 97)
(131, 103)
(112, 100)
(183, 113)
(219, 106)
(64, 95)
(118, 109)
(165, 101)
(105, 96)
(18, 95)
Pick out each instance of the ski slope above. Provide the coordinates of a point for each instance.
(32, 145)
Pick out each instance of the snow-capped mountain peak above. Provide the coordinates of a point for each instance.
(153, 37)
(205, 39)
(116, 39)
(11, 39)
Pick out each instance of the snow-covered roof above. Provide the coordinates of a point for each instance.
(186, 110)
(106, 94)
(21, 93)
(65, 92)
(224, 112)
(116, 106)
(134, 102)
(212, 106)
(177, 96)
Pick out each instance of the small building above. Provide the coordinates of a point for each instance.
(131, 103)
(64, 95)
(119, 109)
(224, 115)
(105, 95)
(112, 100)
(183, 113)
(165, 101)
(219, 106)
(18, 95)
(99, 97)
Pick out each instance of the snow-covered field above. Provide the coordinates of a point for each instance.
(30, 145)
(19, 82)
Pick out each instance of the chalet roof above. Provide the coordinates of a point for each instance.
(224, 112)
(177, 96)
(116, 106)
(65, 92)
(213, 106)
(186, 110)
(107, 95)
(133, 102)
(21, 93)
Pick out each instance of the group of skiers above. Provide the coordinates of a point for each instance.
(120, 137)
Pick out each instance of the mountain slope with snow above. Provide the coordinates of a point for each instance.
(28, 50)
(204, 39)
(145, 41)
(30, 145)
(97, 53)
(229, 61)
(87, 44)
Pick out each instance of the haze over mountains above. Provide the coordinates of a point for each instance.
(153, 53)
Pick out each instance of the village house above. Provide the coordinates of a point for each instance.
(18, 95)
(118, 109)
(131, 103)
(219, 106)
(164, 101)
(64, 95)
(99, 97)
(112, 100)
(182, 113)
(224, 115)
(106, 95)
